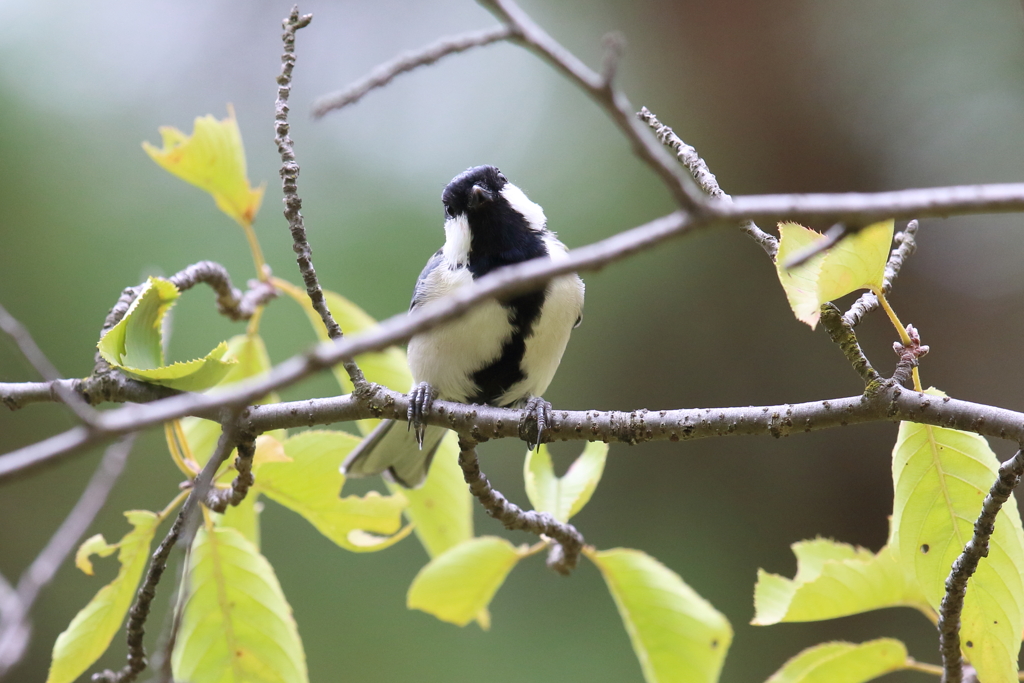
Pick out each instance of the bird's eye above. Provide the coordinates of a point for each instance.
(448, 211)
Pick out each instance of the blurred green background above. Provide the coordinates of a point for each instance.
(778, 96)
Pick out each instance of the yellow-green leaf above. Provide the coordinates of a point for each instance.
(676, 634)
(457, 585)
(212, 159)
(236, 625)
(940, 478)
(856, 262)
(311, 485)
(90, 632)
(833, 580)
(441, 510)
(249, 358)
(843, 662)
(563, 496)
(800, 283)
(135, 344)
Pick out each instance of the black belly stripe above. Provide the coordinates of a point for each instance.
(495, 379)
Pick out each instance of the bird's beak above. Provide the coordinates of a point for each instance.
(478, 196)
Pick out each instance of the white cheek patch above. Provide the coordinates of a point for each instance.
(457, 241)
(531, 211)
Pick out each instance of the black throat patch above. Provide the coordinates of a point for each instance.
(501, 236)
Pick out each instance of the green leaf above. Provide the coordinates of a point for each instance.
(563, 496)
(135, 345)
(833, 580)
(249, 353)
(843, 662)
(940, 478)
(457, 585)
(244, 518)
(442, 509)
(311, 483)
(800, 283)
(676, 634)
(236, 625)
(857, 262)
(90, 632)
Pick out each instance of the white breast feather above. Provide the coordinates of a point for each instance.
(448, 355)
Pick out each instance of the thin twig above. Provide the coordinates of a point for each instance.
(14, 610)
(38, 360)
(967, 563)
(704, 177)
(182, 528)
(527, 33)
(906, 244)
(407, 61)
(218, 500)
(515, 518)
(292, 201)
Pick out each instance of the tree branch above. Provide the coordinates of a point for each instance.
(16, 604)
(967, 563)
(292, 201)
(704, 177)
(230, 302)
(407, 61)
(570, 541)
(38, 360)
(531, 36)
(183, 528)
(842, 334)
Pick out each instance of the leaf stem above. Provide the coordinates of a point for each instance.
(257, 252)
(915, 665)
(901, 330)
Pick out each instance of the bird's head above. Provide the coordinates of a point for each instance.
(497, 215)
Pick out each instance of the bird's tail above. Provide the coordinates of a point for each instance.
(391, 450)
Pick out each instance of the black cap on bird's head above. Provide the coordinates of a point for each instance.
(472, 190)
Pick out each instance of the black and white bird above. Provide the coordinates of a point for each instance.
(499, 353)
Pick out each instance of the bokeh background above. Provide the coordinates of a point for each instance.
(778, 96)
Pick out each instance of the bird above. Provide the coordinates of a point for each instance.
(499, 353)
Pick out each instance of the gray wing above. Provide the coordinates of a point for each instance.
(432, 264)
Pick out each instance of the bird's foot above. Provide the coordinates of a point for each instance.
(421, 398)
(538, 410)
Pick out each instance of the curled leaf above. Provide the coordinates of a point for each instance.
(212, 159)
(135, 345)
